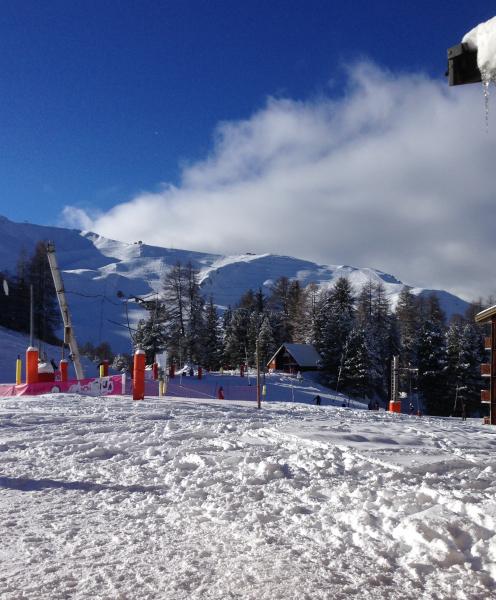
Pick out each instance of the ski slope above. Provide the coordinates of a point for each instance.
(106, 498)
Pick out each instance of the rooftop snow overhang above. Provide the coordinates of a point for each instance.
(486, 315)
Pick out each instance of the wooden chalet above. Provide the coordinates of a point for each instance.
(291, 358)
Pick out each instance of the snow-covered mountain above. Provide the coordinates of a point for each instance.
(95, 269)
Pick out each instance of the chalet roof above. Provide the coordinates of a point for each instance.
(304, 355)
(486, 315)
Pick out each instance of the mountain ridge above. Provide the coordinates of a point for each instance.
(99, 272)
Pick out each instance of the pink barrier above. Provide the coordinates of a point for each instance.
(95, 386)
(117, 385)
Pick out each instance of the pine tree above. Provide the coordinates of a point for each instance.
(122, 362)
(195, 316)
(46, 310)
(212, 343)
(356, 376)
(19, 295)
(334, 322)
(408, 321)
(182, 316)
(464, 346)
(149, 336)
(374, 315)
(432, 365)
(287, 299)
(236, 337)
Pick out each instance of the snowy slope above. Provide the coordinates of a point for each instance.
(95, 269)
(207, 500)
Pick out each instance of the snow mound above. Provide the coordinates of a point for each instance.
(483, 39)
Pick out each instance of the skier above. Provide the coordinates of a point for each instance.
(411, 409)
(317, 400)
(464, 411)
(220, 394)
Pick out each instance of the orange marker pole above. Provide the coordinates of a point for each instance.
(32, 365)
(105, 367)
(155, 371)
(139, 375)
(64, 370)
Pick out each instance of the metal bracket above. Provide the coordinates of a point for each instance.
(462, 65)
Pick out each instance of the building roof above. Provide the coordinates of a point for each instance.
(304, 355)
(486, 315)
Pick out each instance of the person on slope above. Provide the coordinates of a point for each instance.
(317, 400)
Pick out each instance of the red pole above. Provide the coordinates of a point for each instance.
(200, 372)
(64, 367)
(139, 375)
(32, 365)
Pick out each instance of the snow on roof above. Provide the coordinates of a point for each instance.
(486, 315)
(483, 39)
(303, 354)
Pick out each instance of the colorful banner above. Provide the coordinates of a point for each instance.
(95, 386)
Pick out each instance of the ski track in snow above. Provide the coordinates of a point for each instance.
(189, 499)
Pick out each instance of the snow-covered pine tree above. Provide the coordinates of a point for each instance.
(122, 362)
(408, 321)
(334, 322)
(236, 338)
(464, 346)
(432, 365)
(266, 342)
(150, 337)
(373, 314)
(357, 375)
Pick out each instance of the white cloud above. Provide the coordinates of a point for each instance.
(397, 174)
(77, 218)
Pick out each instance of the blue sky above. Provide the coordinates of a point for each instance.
(169, 121)
(101, 100)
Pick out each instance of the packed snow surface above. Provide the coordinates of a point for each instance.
(483, 39)
(196, 499)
